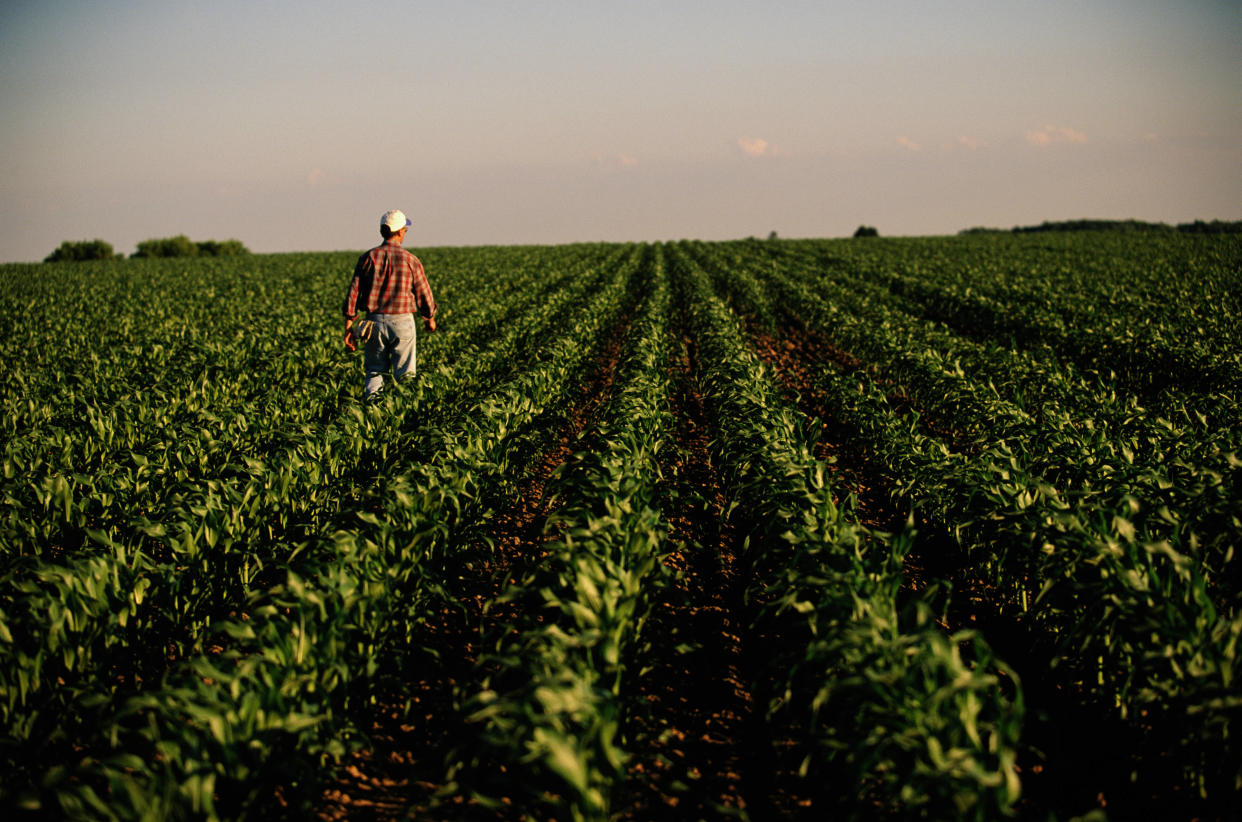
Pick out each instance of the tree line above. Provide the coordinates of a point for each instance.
(1196, 227)
(178, 246)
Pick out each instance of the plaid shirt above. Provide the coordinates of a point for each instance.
(389, 280)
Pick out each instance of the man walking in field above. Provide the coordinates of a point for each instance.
(390, 285)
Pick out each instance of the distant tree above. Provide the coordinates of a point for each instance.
(1121, 226)
(772, 235)
(182, 246)
(1214, 227)
(1124, 226)
(179, 246)
(227, 248)
(866, 231)
(79, 251)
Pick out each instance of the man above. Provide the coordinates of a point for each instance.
(390, 285)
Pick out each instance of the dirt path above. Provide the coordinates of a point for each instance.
(687, 760)
(702, 746)
(399, 775)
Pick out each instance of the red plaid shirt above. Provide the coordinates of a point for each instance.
(389, 280)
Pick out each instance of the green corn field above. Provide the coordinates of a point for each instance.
(938, 528)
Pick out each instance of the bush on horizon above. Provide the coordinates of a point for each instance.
(74, 252)
(183, 246)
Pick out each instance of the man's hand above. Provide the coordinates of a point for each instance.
(350, 345)
(431, 323)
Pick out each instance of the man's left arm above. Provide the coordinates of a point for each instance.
(422, 295)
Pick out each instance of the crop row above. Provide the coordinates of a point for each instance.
(214, 559)
(332, 603)
(215, 523)
(1116, 549)
(1150, 313)
(554, 691)
(896, 713)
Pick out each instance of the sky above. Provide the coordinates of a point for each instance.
(294, 126)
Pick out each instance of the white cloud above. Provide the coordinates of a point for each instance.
(1049, 135)
(907, 143)
(754, 146)
(971, 143)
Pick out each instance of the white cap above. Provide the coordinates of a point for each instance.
(394, 220)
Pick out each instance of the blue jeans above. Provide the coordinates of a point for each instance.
(393, 345)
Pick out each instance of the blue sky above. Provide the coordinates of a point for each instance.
(293, 126)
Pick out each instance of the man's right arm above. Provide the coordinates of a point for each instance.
(350, 308)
